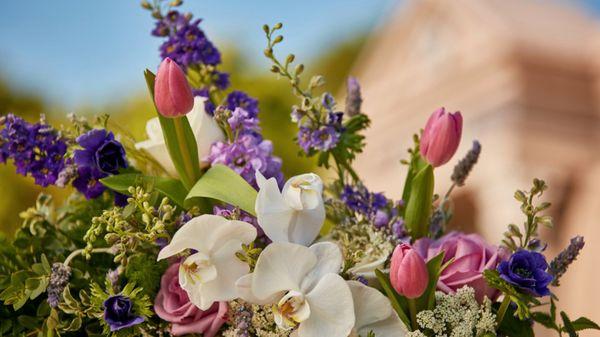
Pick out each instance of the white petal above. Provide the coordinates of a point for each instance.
(206, 232)
(244, 291)
(155, 146)
(206, 129)
(390, 327)
(272, 212)
(305, 225)
(332, 312)
(229, 270)
(370, 305)
(303, 191)
(329, 260)
(281, 267)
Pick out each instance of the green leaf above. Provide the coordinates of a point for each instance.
(434, 268)
(180, 141)
(512, 326)
(171, 188)
(568, 326)
(418, 209)
(398, 302)
(583, 323)
(222, 183)
(545, 320)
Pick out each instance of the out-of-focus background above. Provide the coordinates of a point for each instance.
(524, 73)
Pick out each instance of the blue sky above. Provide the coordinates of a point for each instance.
(81, 51)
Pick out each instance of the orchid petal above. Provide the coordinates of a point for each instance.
(280, 267)
(273, 213)
(332, 309)
(370, 305)
(230, 269)
(303, 191)
(207, 232)
(329, 260)
(244, 291)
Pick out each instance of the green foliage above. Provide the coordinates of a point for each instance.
(514, 238)
(549, 320)
(434, 269)
(311, 107)
(398, 302)
(146, 272)
(512, 326)
(180, 141)
(134, 228)
(223, 184)
(169, 187)
(26, 285)
(418, 208)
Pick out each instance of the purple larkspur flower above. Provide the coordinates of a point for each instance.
(101, 155)
(305, 138)
(118, 313)
(239, 99)
(325, 138)
(241, 121)
(221, 80)
(527, 271)
(246, 155)
(35, 149)
(186, 43)
(328, 101)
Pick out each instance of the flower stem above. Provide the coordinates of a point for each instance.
(412, 307)
(191, 170)
(502, 309)
(78, 252)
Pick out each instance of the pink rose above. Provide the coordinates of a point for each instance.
(472, 255)
(173, 305)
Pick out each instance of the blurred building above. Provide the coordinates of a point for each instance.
(525, 75)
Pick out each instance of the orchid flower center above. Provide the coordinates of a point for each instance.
(291, 310)
(197, 268)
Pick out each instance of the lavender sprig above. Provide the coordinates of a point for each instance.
(558, 266)
(59, 278)
(465, 165)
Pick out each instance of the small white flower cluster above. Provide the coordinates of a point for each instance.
(457, 315)
(362, 242)
(262, 322)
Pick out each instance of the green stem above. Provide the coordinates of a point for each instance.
(78, 252)
(191, 171)
(412, 307)
(502, 309)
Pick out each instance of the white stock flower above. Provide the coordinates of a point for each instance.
(374, 312)
(205, 128)
(295, 214)
(304, 288)
(209, 274)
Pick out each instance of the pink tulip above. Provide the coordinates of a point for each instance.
(408, 272)
(172, 93)
(441, 137)
(471, 254)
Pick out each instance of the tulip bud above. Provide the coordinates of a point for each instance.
(441, 137)
(408, 272)
(172, 93)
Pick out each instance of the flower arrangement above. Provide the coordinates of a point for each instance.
(195, 231)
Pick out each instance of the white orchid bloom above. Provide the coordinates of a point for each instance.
(209, 274)
(296, 214)
(304, 288)
(374, 312)
(205, 128)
